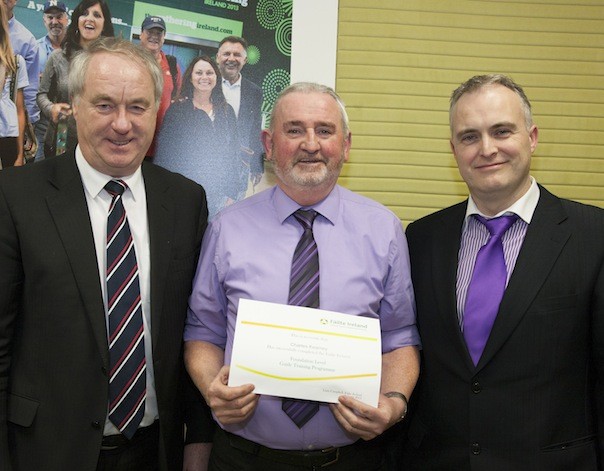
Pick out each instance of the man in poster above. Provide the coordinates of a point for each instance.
(246, 99)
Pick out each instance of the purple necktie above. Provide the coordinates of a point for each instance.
(127, 378)
(486, 287)
(304, 291)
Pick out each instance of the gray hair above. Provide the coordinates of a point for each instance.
(480, 81)
(78, 66)
(310, 87)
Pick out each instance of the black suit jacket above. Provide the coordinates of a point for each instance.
(529, 404)
(53, 341)
(249, 123)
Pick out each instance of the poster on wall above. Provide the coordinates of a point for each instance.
(220, 148)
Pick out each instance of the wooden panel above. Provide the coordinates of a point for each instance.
(398, 63)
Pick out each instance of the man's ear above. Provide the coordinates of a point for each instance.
(267, 143)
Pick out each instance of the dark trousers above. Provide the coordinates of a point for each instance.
(8, 151)
(233, 453)
(139, 454)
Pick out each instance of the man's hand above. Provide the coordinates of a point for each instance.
(364, 421)
(59, 109)
(231, 405)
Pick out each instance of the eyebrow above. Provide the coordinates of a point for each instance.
(102, 97)
(318, 124)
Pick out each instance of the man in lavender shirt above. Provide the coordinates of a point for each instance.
(364, 271)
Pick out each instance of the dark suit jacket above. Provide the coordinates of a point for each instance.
(529, 403)
(53, 341)
(249, 122)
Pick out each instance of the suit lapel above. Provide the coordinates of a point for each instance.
(446, 247)
(161, 223)
(69, 211)
(546, 236)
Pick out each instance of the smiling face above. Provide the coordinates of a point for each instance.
(203, 77)
(115, 114)
(152, 39)
(307, 145)
(56, 24)
(90, 24)
(231, 57)
(492, 146)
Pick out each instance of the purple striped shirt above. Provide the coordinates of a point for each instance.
(474, 235)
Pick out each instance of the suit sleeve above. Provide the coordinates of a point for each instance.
(48, 77)
(199, 422)
(11, 281)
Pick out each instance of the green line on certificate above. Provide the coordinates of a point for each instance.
(312, 331)
(302, 378)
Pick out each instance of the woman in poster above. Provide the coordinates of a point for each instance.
(198, 137)
(90, 20)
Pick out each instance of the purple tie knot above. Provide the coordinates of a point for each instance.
(306, 217)
(498, 226)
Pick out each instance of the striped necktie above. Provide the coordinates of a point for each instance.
(304, 291)
(486, 287)
(127, 379)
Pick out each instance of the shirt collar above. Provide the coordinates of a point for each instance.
(94, 181)
(328, 207)
(237, 84)
(523, 207)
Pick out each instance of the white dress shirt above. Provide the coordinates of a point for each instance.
(135, 203)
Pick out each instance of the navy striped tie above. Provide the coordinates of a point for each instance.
(127, 379)
(304, 291)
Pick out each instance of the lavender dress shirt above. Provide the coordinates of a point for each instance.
(364, 271)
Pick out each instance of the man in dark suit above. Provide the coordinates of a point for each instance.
(246, 99)
(509, 381)
(62, 315)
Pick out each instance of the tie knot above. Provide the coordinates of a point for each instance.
(498, 226)
(115, 187)
(305, 217)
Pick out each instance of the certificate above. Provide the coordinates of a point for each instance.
(305, 353)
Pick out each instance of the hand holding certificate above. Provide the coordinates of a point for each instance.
(304, 353)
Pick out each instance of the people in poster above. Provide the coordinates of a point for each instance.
(90, 20)
(199, 138)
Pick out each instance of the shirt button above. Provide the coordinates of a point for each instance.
(475, 449)
(476, 388)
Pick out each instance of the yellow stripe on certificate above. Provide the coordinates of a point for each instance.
(313, 378)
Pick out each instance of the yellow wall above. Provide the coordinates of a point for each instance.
(399, 60)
